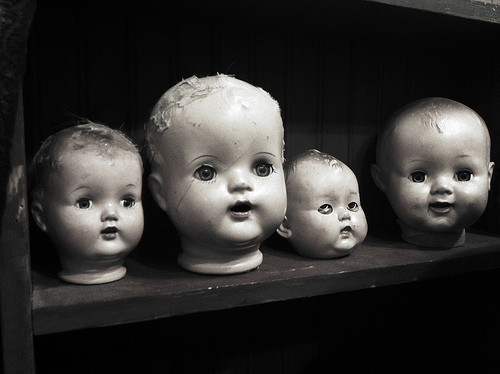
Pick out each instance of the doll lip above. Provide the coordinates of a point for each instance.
(110, 232)
(346, 230)
(241, 209)
(440, 207)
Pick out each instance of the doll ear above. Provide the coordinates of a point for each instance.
(37, 212)
(490, 173)
(378, 177)
(155, 187)
(284, 229)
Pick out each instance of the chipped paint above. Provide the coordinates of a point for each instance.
(13, 190)
(13, 185)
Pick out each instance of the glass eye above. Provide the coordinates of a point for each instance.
(205, 173)
(128, 202)
(325, 209)
(464, 176)
(263, 169)
(84, 203)
(353, 206)
(418, 177)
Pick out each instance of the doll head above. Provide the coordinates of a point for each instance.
(324, 218)
(86, 195)
(433, 164)
(216, 169)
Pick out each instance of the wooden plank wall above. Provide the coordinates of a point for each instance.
(16, 353)
(337, 70)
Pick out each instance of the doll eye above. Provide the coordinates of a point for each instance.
(325, 209)
(263, 169)
(418, 177)
(84, 203)
(128, 202)
(353, 206)
(464, 176)
(205, 173)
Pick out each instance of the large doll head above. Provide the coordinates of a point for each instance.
(324, 218)
(433, 164)
(216, 169)
(86, 195)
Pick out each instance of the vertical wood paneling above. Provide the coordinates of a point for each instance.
(232, 50)
(193, 52)
(393, 84)
(152, 64)
(301, 127)
(53, 94)
(105, 64)
(269, 63)
(334, 56)
(365, 98)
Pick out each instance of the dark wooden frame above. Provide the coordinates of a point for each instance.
(282, 276)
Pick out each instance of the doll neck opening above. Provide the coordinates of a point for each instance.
(432, 239)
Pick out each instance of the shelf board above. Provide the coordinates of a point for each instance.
(482, 10)
(156, 291)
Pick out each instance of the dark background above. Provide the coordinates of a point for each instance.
(338, 70)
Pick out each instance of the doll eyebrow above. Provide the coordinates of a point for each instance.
(353, 193)
(82, 188)
(265, 153)
(202, 156)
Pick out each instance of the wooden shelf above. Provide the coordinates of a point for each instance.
(483, 10)
(150, 292)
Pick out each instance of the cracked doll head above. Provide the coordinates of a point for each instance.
(216, 149)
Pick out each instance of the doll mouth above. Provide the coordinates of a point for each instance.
(346, 230)
(440, 207)
(241, 209)
(110, 233)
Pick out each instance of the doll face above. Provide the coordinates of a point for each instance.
(324, 213)
(92, 205)
(439, 181)
(220, 178)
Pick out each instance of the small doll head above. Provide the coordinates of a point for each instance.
(324, 218)
(86, 195)
(433, 164)
(216, 169)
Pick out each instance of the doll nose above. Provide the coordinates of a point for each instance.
(109, 213)
(442, 185)
(240, 181)
(344, 214)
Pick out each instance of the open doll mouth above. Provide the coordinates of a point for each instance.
(346, 230)
(241, 209)
(110, 233)
(440, 207)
